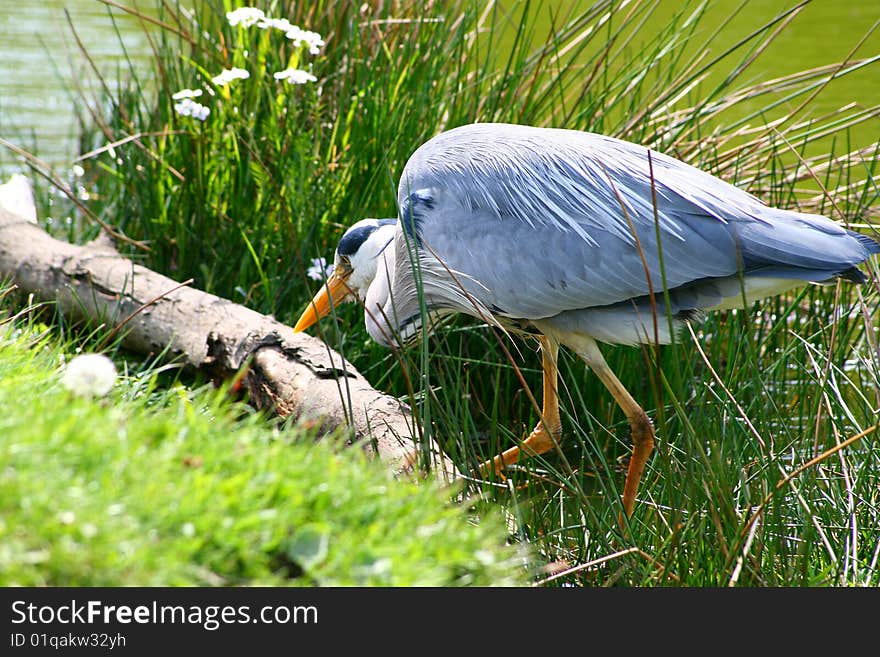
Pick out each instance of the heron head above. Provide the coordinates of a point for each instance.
(354, 268)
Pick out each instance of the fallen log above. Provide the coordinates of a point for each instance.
(292, 374)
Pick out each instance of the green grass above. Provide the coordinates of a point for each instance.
(243, 201)
(179, 486)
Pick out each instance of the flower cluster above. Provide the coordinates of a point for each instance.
(312, 39)
(187, 93)
(227, 75)
(246, 17)
(294, 76)
(319, 270)
(189, 107)
(281, 24)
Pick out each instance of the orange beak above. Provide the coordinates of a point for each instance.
(332, 294)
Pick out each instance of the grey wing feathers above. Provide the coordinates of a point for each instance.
(541, 221)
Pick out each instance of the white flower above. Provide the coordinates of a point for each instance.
(89, 375)
(295, 76)
(245, 16)
(312, 39)
(188, 107)
(319, 269)
(187, 93)
(278, 23)
(230, 74)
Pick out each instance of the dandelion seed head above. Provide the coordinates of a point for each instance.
(89, 375)
(245, 16)
(295, 76)
(230, 74)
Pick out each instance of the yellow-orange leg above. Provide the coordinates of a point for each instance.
(549, 429)
(640, 424)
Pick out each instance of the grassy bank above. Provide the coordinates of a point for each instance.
(158, 485)
(243, 201)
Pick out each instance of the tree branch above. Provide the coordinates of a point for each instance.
(292, 374)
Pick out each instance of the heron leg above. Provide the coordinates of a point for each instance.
(640, 424)
(548, 431)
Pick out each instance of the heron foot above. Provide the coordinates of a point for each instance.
(643, 445)
(539, 441)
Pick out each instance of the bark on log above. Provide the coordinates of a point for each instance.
(292, 374)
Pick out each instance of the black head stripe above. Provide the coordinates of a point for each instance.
(354, 239)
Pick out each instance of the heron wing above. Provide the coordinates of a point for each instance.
(539, 221)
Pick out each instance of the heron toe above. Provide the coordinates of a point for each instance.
(539, 441)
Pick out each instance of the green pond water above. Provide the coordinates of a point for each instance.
(40, 62)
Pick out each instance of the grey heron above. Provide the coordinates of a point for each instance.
(572, 237)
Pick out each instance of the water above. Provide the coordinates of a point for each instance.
(39, 61)
(40, 64)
